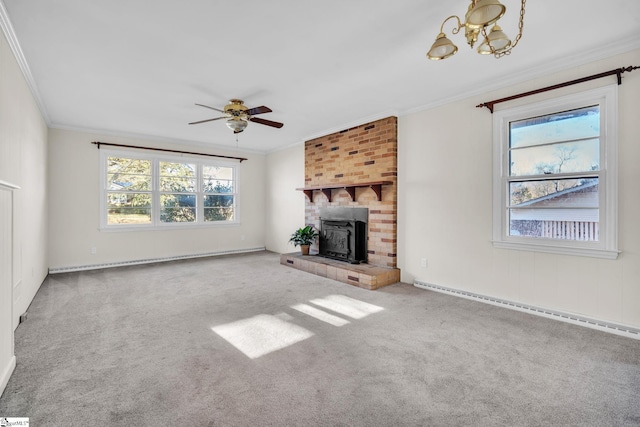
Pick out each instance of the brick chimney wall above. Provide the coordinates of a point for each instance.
(366, 153)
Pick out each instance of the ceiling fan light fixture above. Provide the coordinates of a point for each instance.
(237, 125)
(237, 116)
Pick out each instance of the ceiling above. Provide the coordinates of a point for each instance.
(137, 67)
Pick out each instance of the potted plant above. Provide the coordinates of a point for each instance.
(304, 237)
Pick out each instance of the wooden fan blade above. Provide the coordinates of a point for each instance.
(266, 122)
(211, 108)
(208, 120)
(258, 110)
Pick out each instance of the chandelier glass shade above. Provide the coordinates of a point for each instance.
(443, 47)
(485, 12)
(480, 15)
(496, 39)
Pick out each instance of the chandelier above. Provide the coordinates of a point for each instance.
(480, 15)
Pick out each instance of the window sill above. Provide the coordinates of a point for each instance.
(183, 226)
(560, 250)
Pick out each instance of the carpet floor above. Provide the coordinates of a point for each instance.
(244, 341)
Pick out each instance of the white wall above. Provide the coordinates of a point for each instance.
(23, 151)
(285, 205)
(7, 357)
(445, 209)
(74, 214)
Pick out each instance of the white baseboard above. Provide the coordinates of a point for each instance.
(6, 374)
(149, 261)
(613, 328)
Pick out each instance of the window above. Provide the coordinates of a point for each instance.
(218, 188)
(555, 175)
(177, 192)
(129, 186)
(156, 191)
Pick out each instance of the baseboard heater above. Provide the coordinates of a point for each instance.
(150, 261)
(556, 315)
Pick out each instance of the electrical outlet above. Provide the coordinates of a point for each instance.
(94, 250)
(242, 237)
(423, 263)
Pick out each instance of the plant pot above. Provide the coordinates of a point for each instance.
(304, 249)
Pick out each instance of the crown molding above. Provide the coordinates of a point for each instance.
(98, 133)
(561, 64)
(12, 40)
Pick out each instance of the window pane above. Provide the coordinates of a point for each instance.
(558, 127)
(579, 192)
(128, 174)
(562, 209)
(560, 230)
(217, 172)
(217, 179)
(128, 208)
(177, 208)
(218, 208)
(116, 165)
(218, 186)
(177, 177)
(581, 156)
(177, 184)
(218, 214)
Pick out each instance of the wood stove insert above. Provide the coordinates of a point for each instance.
(343, 234)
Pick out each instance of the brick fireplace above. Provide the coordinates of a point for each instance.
(356, 167)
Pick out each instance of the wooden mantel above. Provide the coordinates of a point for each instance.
(350, 188)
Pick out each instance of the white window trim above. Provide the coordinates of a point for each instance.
(156, 224)
(607, 247)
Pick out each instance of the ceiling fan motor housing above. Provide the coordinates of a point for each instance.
(236, 108)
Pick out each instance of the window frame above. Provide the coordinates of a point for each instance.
(156, 192)
(607, 245)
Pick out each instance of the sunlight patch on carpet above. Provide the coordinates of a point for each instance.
(261, 334)
(320, 315)
(351, 307)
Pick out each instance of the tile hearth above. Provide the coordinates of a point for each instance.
(362, 275)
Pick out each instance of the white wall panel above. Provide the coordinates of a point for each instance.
(285, 205)
(74, 209)
(23, 152)
(7, 357)
(445, 208)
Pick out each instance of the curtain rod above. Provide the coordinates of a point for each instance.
(167, 150)
(617, 71)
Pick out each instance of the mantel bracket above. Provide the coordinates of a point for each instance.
(349, 188)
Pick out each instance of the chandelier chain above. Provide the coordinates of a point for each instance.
(515, 41)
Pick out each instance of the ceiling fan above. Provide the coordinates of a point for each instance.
(238, 116)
